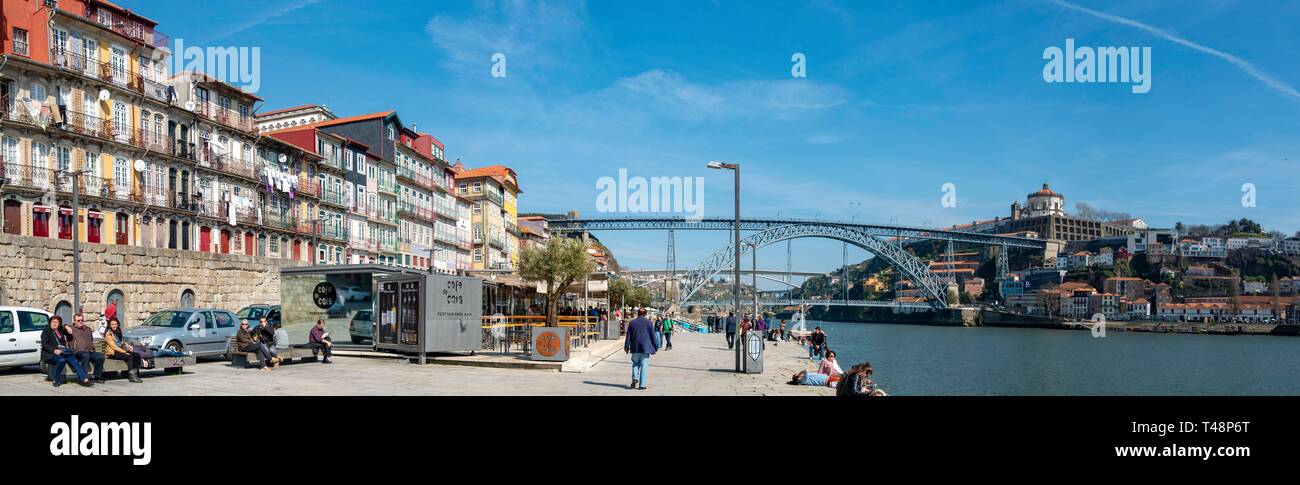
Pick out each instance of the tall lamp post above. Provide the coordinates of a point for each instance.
(75, 175)
(753, 252)
(735, 244)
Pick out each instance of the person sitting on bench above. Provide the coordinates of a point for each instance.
(281, 339)
(266, 335)
(319, 340)
(56, 353)
(117, 349)
(245, 342)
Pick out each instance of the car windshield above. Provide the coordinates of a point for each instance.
(251, 313)
(168, 318)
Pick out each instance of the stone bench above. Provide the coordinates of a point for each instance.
(240, 358)
(169, 365)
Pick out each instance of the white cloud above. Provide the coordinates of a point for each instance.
(530, 34)
(270, 14)
(677, 96)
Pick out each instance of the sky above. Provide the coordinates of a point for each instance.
(899, 99)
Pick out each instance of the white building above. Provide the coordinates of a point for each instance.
(283, 119)
(1254, 287)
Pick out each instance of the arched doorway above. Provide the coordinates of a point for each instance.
(13, 217)
(118, 300)
(187, 298)
(64, 310)
(225, 241)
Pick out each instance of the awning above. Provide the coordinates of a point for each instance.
(40, 208)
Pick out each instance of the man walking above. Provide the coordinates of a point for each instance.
(83, 347)
(731, 329)
(668, 333)
(640, 342)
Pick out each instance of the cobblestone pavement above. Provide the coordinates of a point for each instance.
(699, 364)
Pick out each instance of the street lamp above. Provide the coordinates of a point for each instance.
(754, 267)
(75, 175)
(735, 243)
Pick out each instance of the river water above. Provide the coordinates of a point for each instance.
(932, 360)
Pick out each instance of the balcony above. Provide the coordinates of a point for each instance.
(411, 210)
(390, 246)
(334, 197)
(226, 164)
(225, 115)
(512, 228)
(445, 210)
(308, 186)
(186, 202)
(495, 197)
(310, 228)
(386, 187)
(332, 161)
(125, 26)
(279, 220)
(497, 241)
(412, 176)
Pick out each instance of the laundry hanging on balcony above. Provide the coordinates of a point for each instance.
(277, 181)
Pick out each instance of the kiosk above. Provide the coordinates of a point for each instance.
(426, 313)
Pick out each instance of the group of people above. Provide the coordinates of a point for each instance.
(256, 341)
(854, 383)
(73, 346)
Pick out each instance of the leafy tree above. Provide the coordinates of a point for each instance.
(618, 291)
(558, 264)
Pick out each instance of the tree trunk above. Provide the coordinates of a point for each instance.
(552, 302)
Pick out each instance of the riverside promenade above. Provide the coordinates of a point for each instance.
(698, 365)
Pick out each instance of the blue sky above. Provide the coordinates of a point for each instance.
(899, 98)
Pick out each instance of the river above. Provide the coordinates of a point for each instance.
(934, 360)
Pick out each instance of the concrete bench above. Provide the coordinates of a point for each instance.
(169, 365)
(239, 358)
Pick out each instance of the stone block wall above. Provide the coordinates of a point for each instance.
(37, 272)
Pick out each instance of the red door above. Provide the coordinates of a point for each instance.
(205, 239)
(248, 243)
(297, 249)
(225, 241)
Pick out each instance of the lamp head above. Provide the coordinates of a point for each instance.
(714, 165)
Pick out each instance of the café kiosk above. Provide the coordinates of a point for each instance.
(419, 314)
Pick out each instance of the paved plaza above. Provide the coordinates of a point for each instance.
(698, 365)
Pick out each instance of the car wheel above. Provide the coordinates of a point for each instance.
(174, 346)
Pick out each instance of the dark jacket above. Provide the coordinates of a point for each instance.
(265, 334)
(640, 337)
(80, 339)
(243, 339)
(850, 386)
(731, 324)
(51, 340)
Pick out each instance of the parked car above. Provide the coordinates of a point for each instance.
(258, 310)
(362, 326)
(352, 293)
(203, 331)
(20, 335)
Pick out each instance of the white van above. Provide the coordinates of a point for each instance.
(20, 335)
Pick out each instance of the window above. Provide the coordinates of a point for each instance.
(40, 164)
(20, 42)
(121, 122)
(63, 158)
(91, 164)
(38, 92)
(40, 221)
(118, 61)
(347, 161)
(392, 134)
(10, 150)
(478, 207)
(478, 187)
(121, 175)
(60, 46)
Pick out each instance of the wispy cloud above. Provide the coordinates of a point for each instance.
(781, 99)
(268, 16)
(530, 34)
(1277, 85)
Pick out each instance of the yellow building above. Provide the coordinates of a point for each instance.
(493, 193)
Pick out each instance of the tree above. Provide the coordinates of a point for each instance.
(558, 264)
(1085, 211)
(618, 291)
(639, 297)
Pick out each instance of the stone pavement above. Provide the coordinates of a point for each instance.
(699, 364)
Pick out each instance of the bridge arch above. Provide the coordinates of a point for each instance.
(930, 284)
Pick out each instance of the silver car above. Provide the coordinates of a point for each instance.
(203, 331)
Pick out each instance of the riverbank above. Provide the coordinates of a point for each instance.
(966, 317)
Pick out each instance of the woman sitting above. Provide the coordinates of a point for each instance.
(829, 365)
(56, 353)
(857, 383)
(244, 339)
(115, 347)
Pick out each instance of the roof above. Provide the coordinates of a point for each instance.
(353, 119)
(1045, 191)
(500, 173)
(202, 78)
(285, 110)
